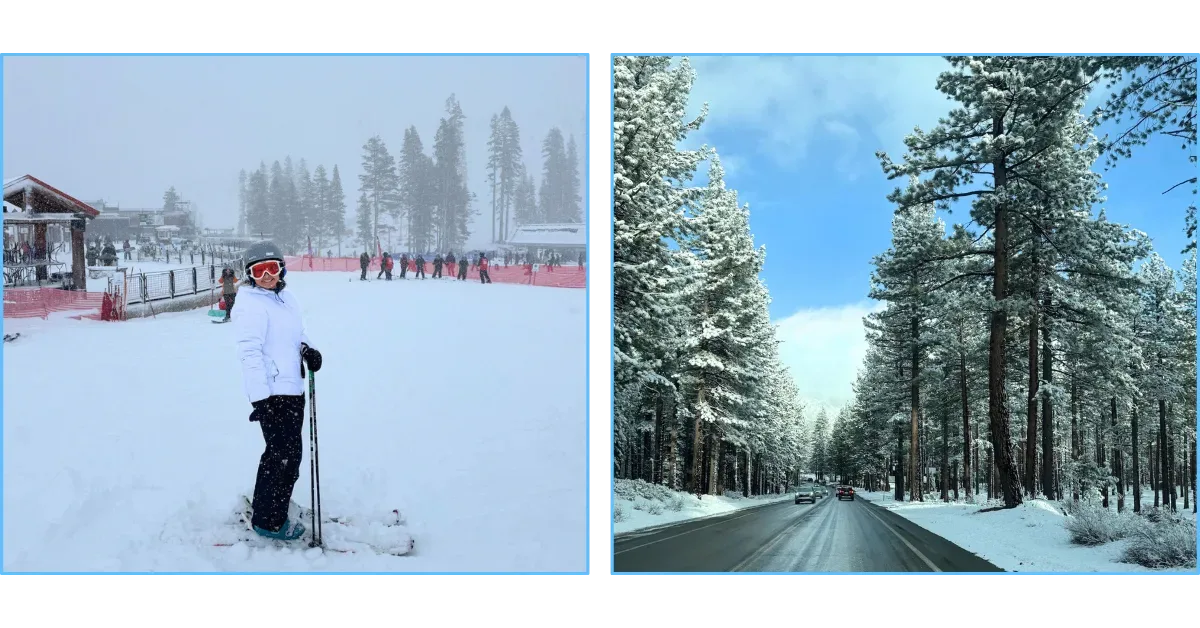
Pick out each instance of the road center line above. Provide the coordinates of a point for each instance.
(778, 538)
(903, 540)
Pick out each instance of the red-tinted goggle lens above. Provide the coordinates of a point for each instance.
(262, 269)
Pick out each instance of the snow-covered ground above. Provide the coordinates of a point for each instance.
(638, 505)
(1030, 538)
(127, 445)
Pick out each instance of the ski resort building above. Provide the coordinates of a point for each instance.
(44, 235)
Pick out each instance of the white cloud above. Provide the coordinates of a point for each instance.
(824, 348)
(792, 101)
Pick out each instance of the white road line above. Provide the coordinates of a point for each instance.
(927, 562)
(675, 536)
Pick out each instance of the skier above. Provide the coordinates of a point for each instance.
(462, 269)
(403, 264)
(420, 266)
(385, 266)
(273, 350)
(364, 261)
(483, 269)
(228, 290)
(437, 266)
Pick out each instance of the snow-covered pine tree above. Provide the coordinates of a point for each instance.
(1011, 109)
(650, 175)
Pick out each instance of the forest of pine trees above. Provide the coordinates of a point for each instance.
(420, 199)
(291, 205)
(702, 401)
(1038, 349)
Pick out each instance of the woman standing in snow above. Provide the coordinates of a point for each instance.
(273, 350)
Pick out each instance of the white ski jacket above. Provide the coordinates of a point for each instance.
(269, 332)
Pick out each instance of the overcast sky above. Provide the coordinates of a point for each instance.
(123, 129)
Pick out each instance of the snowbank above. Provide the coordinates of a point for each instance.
(638, 504)
(1030, 538)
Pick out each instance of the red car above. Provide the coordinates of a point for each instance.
(845, 491)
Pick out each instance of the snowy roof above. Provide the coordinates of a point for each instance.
(560, 235)
(44, 198)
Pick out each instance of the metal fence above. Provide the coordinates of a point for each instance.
(168, 284)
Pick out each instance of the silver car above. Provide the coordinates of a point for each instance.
(806, 493)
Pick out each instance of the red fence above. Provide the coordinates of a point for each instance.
(41, 302)
(556, 277)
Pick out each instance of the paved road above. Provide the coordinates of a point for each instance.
(852, 536)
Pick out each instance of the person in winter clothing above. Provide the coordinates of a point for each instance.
(228, 290)
(420, 266)
(274, 349)
(364, 261)
(437, 266)
(385, 266)
(483, 269)
(462, 269)
(403, 265)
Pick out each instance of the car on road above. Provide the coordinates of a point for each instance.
(845, 492)
(822, 491)
(806, 493)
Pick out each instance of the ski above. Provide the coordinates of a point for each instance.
(11, 337)
(344, 536)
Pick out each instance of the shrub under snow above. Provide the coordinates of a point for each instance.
(1090, 524)
(1169, 543)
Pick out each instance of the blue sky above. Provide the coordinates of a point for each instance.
(797, 136)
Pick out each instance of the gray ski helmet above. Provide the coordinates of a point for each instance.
(260, 251)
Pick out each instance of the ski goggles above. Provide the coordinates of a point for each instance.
(266, 267)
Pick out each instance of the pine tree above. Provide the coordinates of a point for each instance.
(452, 197)
(306, 203)
(366, 223)
(573, 210)
(258, 202)
(337, 209)
(242, 202)
(381, 185)
(416, 192)
(1002, 125)
(525, 206)
(553, 196)
(322, 207)
(170, 199)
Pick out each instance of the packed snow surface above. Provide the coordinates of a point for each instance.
(1029, 538)
(127, 445)
(638, 505)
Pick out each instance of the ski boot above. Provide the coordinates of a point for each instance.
(289, 531)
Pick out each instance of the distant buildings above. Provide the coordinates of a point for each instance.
(143, 223)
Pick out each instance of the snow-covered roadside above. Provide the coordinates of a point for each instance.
(1030, 538)
(638, 504)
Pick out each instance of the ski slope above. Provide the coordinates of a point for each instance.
(127, 445)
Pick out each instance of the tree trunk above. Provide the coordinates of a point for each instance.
(1154, 472)
(658, 437)
(998, 413)
(966, 417)
(1137, 455)
(697, 442)
(945, 453)
(1031, 396)
(1117, 462)
(1164, 452)
(1048, 485)
(1101, 455)
(1076, 445)
(915, 398)
(900, 468)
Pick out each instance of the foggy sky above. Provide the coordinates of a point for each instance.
(124, 129)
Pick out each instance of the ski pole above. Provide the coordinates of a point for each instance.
(315, 460)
